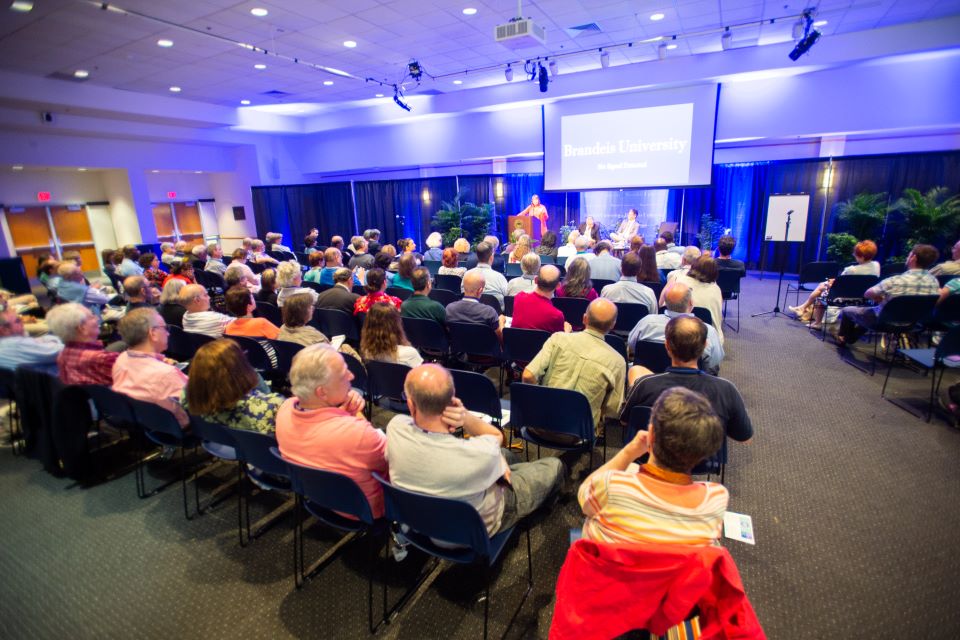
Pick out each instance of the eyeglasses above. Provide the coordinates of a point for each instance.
(161, 326)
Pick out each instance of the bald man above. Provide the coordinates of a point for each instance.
(424, 455)
(198, 317)
(584, 362)
(535, 310)
(470, 309)
(678, 300)
(334, 260)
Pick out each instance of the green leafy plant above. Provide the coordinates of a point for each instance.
(929, 218)
(864, 214)
(840, 247)
(710, 231)
(564, 232)
(458, 219)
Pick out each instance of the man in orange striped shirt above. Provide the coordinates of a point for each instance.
(661, 504)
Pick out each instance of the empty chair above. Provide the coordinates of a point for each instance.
(573, 310)
(810, 276)
(429, 336)
(449, 282)
(478, 393)
(900, 315)
(628, 315)
(554, 418)
(946, 315)
(652, 355)
(477, 345)
(385, 383)
(443, 296)
(935, 360)
(218, 441)
(522, 345)
(729, 282)
(269, 311)
(262, 469)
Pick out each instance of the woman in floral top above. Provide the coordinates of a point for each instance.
(151, 269)
(224, 388)
(376, 285)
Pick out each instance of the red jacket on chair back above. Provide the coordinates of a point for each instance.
(605, 590)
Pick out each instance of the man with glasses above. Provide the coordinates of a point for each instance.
(198, 317)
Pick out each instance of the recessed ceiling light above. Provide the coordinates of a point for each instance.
(155, 171)
(81, 73)
(198, 171)
(819, 23)
(259, 12)
(379, 95)
(244, 102)
(470, 11)
(657, 16)
(350, 44)
(327, 83)
(21, 6)
(17, 167)
(458, 82)
(260, 66)
(175, 89)
(671, 47)
(163, 42)
(81, 168)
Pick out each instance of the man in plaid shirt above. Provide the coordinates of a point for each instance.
(83, 359)
(915, 281)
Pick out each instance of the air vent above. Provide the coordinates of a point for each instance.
(276, 93)
(591, 27)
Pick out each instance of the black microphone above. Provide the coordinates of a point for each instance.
(789, 212)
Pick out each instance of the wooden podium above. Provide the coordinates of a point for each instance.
(525, 223)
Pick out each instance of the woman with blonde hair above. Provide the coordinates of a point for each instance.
(383, 338)
(435, 247)
(521, 249)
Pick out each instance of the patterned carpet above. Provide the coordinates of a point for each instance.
(853, 502)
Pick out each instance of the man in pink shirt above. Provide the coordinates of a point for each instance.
(321, 426)
(535, 310)
(141, 371)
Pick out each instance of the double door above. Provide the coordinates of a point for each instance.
(178, 221)
(51, 230)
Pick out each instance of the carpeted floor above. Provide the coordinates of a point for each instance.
(853, 502)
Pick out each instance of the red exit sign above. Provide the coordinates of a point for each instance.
(172, 195)
(43, 196)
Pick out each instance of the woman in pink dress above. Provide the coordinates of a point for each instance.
(538, 211)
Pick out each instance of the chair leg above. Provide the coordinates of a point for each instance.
(240, 502)
(883, 390)
(486, 600)
(183, 484)
(934, 385)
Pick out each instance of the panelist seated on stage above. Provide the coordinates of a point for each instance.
(591, 229)
(538, 211)
(626, 229)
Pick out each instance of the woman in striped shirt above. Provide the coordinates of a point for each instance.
(660, 504)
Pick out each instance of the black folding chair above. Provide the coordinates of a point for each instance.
(449, 282)
(812, 273)
(652, 355)
(385, 382)
(492, 302)
(522, 345)
(943, 280)
(729, 282)
(554, 418)
(945, 316)
(269, 311)
(656, 287)
(900, 315)
(513, 270)
(945, 355)
(573, 310)
(399, 292)
(477, 346)
(846, 290)
(428, 336)
(618, 343)
(181, 345)
(599, 284)
(892, 268)
(333, 322)
(444, 296)
(478, 393)
(704, 314)
(433, 266)
(628, 315)
(508, 305)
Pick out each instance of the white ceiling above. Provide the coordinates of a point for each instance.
(120, 51)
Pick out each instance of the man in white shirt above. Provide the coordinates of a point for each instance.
(583, 251)
(495, 282)
(627, 289)
(215, 260)
(666, 259)
(690, 255)
(198, 317)
(570, 248)
(671, 247)
(289, 280)
(425, 456)
(17, 349)
(530, 266)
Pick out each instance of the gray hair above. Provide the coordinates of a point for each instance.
(342, 274)
(69, 271)
(198, 250)
(180, 245)
(690, 255)
(212, 246)
(257, 245)
(171, 291)
(493, 241)
(311, 369)
(683, 304)
(166, 246)
(287, 274)
(134, 284)
(371, 233)
(581, 243)
(64, 320)
(434, 240)
(135, 326)
(530, 264)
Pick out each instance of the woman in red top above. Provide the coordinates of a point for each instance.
(576, 284)
(181, 269)
(538, 211)
(151, 269)
(376, 285)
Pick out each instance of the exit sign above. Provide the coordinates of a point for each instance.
(171, 195)
(43, 196)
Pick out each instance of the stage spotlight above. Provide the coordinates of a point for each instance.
(542, 77)
(726, 40)
(604, 59)
(397, 97)
(553, 68)
(804, 45)
(797, 30)
(415, 70)
(662, 50)
(508, 73)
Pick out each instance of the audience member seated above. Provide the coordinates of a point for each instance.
(951, 288)
(167, 253)
(548, 245)
(333, 260)
(666, 260)
(180, 269)
(17, 349)
(289, 281)
(627, 289)
(469, 309)
(495, 282)
(198, 317)
(130, 265)
(915, 281)
(949, 267)
(529, 266)
(420, 305)
(139, 293)
(686, 339)
(605, 266)
(180, 248)
(521, 249)
(240, 304)
(268, 287)
(315, 260)
(702, 280)
(151, 270)
(582, 244)
(425, 456)
(372, 236)
(198, 257)
(258, 253)
(322, 425)
(584, 362)
(361, 259)
(384, 260)
(383, 338)
(689, 256)
(725, 247)
(170, 308)
(83, 359)
(73, 289)
(340, 296)
(434, 247)
(570, 248)
(274, 242)
(239, 270)
(376, 286)
(407, 246)
(814, 306)
(405, 267)
(47, 274)
(635, 243)
(668, 239)
(462, 247)
(534, 309)
(649, 272)
(141, 371)
(215, 262)
(576, 282)
(679, 303)
(297, 313)
(450, 260)
(660, 504)
(225, 389)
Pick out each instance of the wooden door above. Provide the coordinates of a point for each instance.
(163, 218)
(188, 222)
(31, 234)
(73, 232)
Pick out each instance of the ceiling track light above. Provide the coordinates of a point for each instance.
(604, 58)
(542, 77)
(508, 73)
(554, 69)
(726, 40)
(810, 36)
(662, 50)
(398, 98)
(797, 32)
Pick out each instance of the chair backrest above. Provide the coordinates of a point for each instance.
(319, 288)
(385, 379)
(599, 284)
(522, 345)
(656, 287)
(652, 355)
(572, 309)
(181, 345)
(704, 314)
(427, 335)
(618, 343)
(285, 352)
(729, 282)
(513, 270)
(546, 259)
(892, 268)
(491, 301)
(452, 521)
(508, 305)
(332, 492)
(818, 271)
(111, 405)
(211, 431)
(477, 392)
(269, 311)
(253, 448)
(282, 256)
(850, 287)
(906, 311)
(548, 409)
(359, 290)
(943, 280)
(153, 417)
(638, 420)
(449, 282)
(432, 266)
(948, 312)
(257, 267)
(255, 351)
(474, 339)
(444, 296)
(399, 292)
(628, 315)
(359, 373)
(334, 322)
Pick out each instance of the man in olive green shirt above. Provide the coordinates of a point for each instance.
(584, 362)
(420, 305)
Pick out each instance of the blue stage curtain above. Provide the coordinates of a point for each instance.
(294, 209)
(270, 210)
(399, 208)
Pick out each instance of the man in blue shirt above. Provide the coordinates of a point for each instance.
(17, 349)
(130, 266)
(470, 309)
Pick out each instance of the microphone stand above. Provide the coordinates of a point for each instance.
(783, 265)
